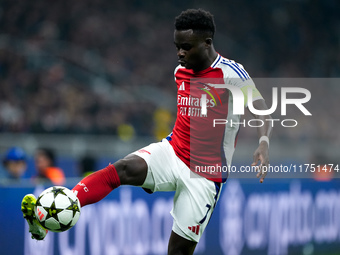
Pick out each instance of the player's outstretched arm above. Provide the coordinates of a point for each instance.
(261, 154)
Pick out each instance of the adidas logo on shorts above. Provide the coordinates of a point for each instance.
(195, 229)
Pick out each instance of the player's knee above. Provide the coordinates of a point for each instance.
(123, 170)
(131, 170)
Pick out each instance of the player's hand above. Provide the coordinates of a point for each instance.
(261, 160)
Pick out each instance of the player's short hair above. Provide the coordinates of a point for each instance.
(198, 20)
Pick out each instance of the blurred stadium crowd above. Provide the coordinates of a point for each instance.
(94, 66)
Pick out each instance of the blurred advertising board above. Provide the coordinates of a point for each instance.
(276, 217)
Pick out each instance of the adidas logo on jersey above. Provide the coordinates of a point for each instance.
(195, 229)
(182, 87)
(144, 151)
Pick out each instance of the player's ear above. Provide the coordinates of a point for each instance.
(208, 42)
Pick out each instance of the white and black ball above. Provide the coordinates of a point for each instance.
(57, 209)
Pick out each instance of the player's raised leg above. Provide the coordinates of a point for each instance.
(131, 170)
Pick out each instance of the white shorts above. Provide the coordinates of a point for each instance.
(195, 197)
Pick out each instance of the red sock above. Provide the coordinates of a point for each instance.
(97, 185)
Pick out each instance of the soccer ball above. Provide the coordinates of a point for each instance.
(57, 209)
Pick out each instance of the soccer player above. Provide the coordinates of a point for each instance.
(170, 165)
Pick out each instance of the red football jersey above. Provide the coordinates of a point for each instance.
(206, 148)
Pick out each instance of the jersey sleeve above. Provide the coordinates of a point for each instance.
(236, 75)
